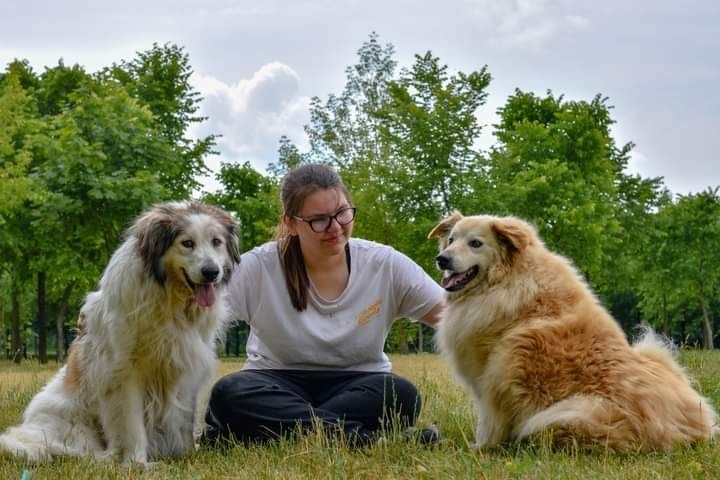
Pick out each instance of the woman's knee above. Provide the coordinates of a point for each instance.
(403, 395)
(235, 386)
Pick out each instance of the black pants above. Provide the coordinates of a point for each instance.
(253, 405)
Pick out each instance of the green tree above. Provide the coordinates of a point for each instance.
(159, 78)
(252, 197)
(97, 149)
(682, 265)
(640, 198)
(343, 130)
(289, 157)
(18, 122)
(557, 165)
(430, 125)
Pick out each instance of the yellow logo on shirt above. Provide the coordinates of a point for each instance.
(369, 313)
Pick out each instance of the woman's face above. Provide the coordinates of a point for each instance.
(319, 206)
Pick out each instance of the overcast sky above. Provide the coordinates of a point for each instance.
(257, 63)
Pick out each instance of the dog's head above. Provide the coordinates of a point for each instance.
(479, 250)
(191, 245)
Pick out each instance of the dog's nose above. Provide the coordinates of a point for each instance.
(443, 262)
(210, 272)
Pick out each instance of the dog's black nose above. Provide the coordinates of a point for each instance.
(443, 262)
(210, 272)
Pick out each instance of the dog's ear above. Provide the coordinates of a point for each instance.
(155, 232)
(514, 234)
(233, 241)
(232, 233)
(443, 228)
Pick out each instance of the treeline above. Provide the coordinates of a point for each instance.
(83, 153)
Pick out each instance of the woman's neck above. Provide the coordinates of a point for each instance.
(330, 275)
(325, 264)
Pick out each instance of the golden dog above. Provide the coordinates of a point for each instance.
(539, 353)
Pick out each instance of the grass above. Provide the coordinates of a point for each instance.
(312, 456)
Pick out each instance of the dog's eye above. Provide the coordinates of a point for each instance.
(475, 243)
(188, 243)
(450, 240)
(216, 242)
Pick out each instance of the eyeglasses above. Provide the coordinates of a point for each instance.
(321, 223)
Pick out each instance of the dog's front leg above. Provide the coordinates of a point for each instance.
(123, 422)
(175, 437)
(135, 438)
(489, 430)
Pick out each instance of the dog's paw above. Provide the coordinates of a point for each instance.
(134, 464)
(478, 446)
(109, 455)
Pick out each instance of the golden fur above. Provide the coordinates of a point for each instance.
(538, 352)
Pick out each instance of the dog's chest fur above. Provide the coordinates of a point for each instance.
(467, 335)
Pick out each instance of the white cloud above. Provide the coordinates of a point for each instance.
(252, 114)
(527, 24)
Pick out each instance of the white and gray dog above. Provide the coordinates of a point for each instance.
(146, 344)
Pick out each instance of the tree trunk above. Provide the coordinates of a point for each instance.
(60, 321)
(707, 327)
(41, 318)
(421, 340)
(16, 346)
(402, 337)
(2, 326)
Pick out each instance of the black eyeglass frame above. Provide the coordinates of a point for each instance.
(328, 219)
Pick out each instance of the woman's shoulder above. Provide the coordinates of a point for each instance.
(263, 254)
(368, 250)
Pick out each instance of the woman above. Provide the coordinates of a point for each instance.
(320, 306)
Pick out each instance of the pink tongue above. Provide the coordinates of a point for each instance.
(205, 295)
(454, 279)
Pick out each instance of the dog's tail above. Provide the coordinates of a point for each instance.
(582, 421)
(46, 436)
(696, 411)
(23, 442)
(53, 424)
(658, 348)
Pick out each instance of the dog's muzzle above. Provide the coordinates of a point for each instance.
(456, 281)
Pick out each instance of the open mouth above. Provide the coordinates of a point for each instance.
(204, 292)
(453, 282)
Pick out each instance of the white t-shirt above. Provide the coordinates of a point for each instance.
(347, 333)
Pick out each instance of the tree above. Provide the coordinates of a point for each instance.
(682, 265)
(18, 122)
(556, 165)
(252, 197)
(97, 149)
(289, 157)
(159, 78)
(344, 130)
(640, 199)
(430, 125)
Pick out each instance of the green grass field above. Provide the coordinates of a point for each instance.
(312, 456)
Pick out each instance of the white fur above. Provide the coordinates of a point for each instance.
(144, 352)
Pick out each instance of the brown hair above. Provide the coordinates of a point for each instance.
(296, 186)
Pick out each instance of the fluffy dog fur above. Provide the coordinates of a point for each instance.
(538, 352)
(146, 344)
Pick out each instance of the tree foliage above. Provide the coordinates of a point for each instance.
(681, 279)
(82, 153)
(80, 156)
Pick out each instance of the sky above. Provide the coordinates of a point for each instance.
(258, 63)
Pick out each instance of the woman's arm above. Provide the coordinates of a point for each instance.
(432, 318)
